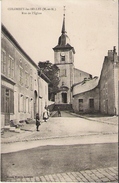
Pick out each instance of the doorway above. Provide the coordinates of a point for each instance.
(80, 105)
(64, 97)
(7, 106)
(35, 103)
(106, 106)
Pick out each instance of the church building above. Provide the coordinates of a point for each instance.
(69, 75)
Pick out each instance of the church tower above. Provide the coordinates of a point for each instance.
(64, 59)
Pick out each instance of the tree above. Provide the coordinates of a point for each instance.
(51, 71)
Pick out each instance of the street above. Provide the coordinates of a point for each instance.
(63, 144)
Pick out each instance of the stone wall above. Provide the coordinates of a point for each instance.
(86, 96)
(109, 84)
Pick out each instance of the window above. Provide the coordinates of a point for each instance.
(62, 58)
(27, 104)
(11, 67)
(3, 62)
(91, 103)
(21, 103)
(31, 82)
(80, 105)
(26, 79)
(63, 73)
(7, 100)
(18, 102)
(24, 100)
(21, 75)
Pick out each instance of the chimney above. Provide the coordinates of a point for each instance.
(110, 55)
(115, 54)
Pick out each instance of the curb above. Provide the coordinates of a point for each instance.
(55, 137)
(109, 174)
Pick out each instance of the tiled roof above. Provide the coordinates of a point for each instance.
(85, 85)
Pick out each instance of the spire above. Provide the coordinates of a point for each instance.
(63, 25)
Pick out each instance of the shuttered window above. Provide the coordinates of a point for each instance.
(3, 62)
(11, 67)
(2, 99)
(11, 101)
(91, 103)
(7, 100)
(21, 75)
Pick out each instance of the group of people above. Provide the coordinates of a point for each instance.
(46, 115)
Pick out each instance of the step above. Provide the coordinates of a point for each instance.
(7, 127)
(17, 130)
(12, 129)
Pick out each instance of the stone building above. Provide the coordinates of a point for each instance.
(86, 96)
(23, 92)
(108, 84)
(99, 95)
(78, 88)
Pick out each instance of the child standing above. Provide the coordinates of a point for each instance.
(37, 122)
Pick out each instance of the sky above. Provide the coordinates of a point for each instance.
(91, 25)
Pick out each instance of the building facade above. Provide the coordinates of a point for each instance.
(99, 95)
(86, 96)
(21, 92)
(108, 84)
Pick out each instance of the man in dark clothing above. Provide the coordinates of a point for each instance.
(59, 112)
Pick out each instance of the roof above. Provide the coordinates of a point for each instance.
(82, 71)
(63, 42)
(7, 33)
(85, 85)
(43, 76)
(66, 47)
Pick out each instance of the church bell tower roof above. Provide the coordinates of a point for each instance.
(63, 41)
(63, 25)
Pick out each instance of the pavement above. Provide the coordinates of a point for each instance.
(12, 142)
(98, 175)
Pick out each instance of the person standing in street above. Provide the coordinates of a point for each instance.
(45, 115)
(37, 122)
(59, 112)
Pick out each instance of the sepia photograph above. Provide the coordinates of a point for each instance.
(59, 91)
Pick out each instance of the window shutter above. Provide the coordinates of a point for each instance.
(2, 99)
(11, 101)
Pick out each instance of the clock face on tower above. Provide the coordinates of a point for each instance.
(62, 54)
